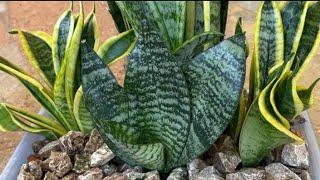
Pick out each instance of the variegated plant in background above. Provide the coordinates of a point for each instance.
(56, 58)
(181, 87)
(286, 38)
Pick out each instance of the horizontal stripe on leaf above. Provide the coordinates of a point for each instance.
(101, 89)
(215, 78)
(168, 17)
(268, 44)
(159, 104)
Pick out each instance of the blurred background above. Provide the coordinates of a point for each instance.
(42, 16)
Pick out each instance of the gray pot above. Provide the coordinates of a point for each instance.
(24, 149)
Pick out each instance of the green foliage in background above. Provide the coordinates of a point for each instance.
(56, 58)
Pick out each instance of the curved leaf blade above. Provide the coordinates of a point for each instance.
(255, 145)
(38, 51)
(71, 58)
(40, 93)
(117, 47)
(216, 79)
(6, 122)
(81, 114)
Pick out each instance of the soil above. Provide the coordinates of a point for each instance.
(36, 15)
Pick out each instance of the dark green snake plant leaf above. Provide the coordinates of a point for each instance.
(168, 16)
(273, 110)
(71, 58)
(268, 46)
(310, 38)
(293, 17)
(171, 116)
(62, 34)
(91, 30)
(38, 51)
(117, 16)
(194, 46)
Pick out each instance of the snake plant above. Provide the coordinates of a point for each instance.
(286, 38)
(177, 97)
(56, 58)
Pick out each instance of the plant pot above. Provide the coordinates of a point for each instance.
(24, 149)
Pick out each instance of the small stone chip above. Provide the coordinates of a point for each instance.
(60, 163)
(95, 142)
(92, 174)
(227, 162)
(101, 156)
(152, 175)
(72, 142)
(180, 173)
(50, 176)
(247, 174)
(24, 173)
(295, 155)
(45, 151)
(277, 171)
(195, 166)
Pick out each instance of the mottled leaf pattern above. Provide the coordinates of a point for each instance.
(61, 38)
(268, 45)
(38, 52)
(310, 38)
(216, 78)
(91, 30)
(171, 16)
(194, 46)
(199, 26)
(293, 17)
(133, 118)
